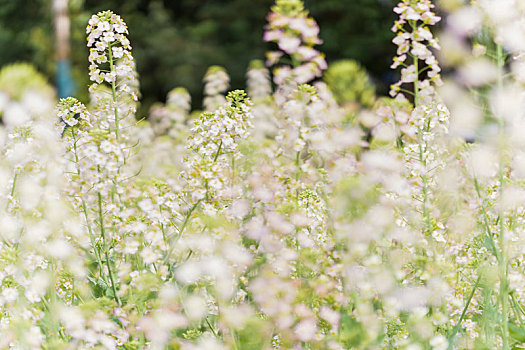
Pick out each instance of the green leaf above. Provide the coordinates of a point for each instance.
(516, 332)
(489, 244)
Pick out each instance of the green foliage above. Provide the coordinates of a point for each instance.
(352, 333)
(255, 335)
(350, 83)
(17, 78)
(26, 33)
(516, 332)
(357, 197)
(357, 29)
(190, 36)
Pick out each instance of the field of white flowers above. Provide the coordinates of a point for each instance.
(284, 217)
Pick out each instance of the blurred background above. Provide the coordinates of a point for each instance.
(175, 41)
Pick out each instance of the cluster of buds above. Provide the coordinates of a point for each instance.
(108, 46)
(214, 140)
(413, 39)
(73, 113)
(295, 34)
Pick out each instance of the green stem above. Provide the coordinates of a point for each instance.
(298, 164)
(458, 325)
(106, 253)
(235, 340)
(486, 224)
(416, 66)
(422, 145)
(183, 226)
(84, 209)
(518, 307)
(12, 189)
(503, 266)
(14, 184)
(93, 243)
(186, 219)
(211, 328)
(56, 324)
(407, 91)
(232, 171)
(218, 152)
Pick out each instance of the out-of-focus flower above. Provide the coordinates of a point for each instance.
(295, 34)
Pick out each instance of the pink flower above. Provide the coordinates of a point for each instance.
(281, 75)
(408, 74)
(394, 89)
(400, 39)
(430, 18)
(400, 8)
(306, 72)
(321, 62)
(422, 33)
(421, 51)
(398, 61)
(306, 330)
(289, 44)
(307, 53)
(273, 35)
(272, 57)
(411, 14)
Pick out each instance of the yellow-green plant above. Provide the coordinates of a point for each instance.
(350, 83)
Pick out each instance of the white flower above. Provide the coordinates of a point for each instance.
(10, 294)
(118, 52)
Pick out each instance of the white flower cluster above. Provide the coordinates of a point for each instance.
(97, 158)
(215, 141)
(259, 88)
(258, 81)
(216, 83)
(222, 130)
(108, 45)
(309, 236)
(171, 118)
(425, 156)
(414, 42)
(296, 34)
(73, 113)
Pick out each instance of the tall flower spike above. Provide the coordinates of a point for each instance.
(224, 128)
(413, 39)
(170, 118)
(214, 141)
(295, 34)
(216, 83)
(107, 42)
(111, 62)
(258, 81)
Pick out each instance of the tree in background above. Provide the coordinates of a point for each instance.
(175, 41)
(26, 34)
